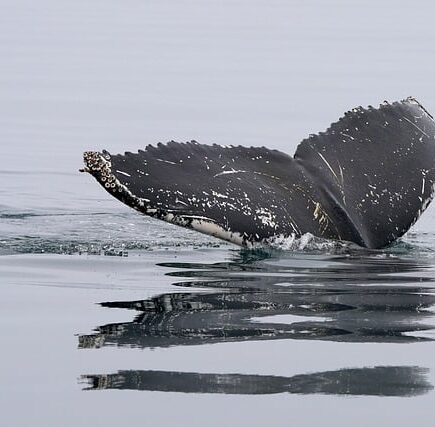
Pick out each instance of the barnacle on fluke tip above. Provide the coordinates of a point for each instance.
(366, 179)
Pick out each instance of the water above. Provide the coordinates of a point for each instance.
(108, 316)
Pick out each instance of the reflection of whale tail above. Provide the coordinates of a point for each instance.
(347, 314)
(366, 179)
(378, 381)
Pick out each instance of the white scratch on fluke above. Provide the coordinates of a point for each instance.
(167, 161)
(229, 172)
(329, 166)
(418, 128)
(216, 194)
(266, 217)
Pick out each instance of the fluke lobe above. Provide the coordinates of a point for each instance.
(366, 179)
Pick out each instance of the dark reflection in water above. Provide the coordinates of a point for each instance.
(371, 297)
(196, 319)
(378, 381)
(336, 298)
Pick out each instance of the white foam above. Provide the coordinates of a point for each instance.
(306, 243)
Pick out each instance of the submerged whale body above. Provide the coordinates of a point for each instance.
(366, 179)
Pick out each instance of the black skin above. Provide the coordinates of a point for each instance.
(366, 180)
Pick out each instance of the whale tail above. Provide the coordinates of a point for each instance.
(366, 179)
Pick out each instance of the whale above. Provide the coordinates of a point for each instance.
(366, 180)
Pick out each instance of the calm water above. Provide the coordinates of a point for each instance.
(108, 317)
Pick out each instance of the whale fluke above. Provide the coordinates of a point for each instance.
(366, 179)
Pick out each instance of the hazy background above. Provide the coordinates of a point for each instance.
(78, 75)
(119, 74)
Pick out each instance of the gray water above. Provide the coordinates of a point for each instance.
(108, 317)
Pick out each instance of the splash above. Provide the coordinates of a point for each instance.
(310, 243)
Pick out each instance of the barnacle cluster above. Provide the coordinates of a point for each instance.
(99, 165)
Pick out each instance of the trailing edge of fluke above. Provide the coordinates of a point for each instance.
(366, 179)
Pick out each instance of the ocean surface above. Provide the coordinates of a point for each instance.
(107, 317)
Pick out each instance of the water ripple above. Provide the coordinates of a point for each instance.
(274, 295)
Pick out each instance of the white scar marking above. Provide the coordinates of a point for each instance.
(317, 210)
(228, 172)
(341, 174)
(216, 194)
(347, 135)
(266, 217)
(181, 202)
(329, 166)
(166, 161)
(123, 173)
(413, 124)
